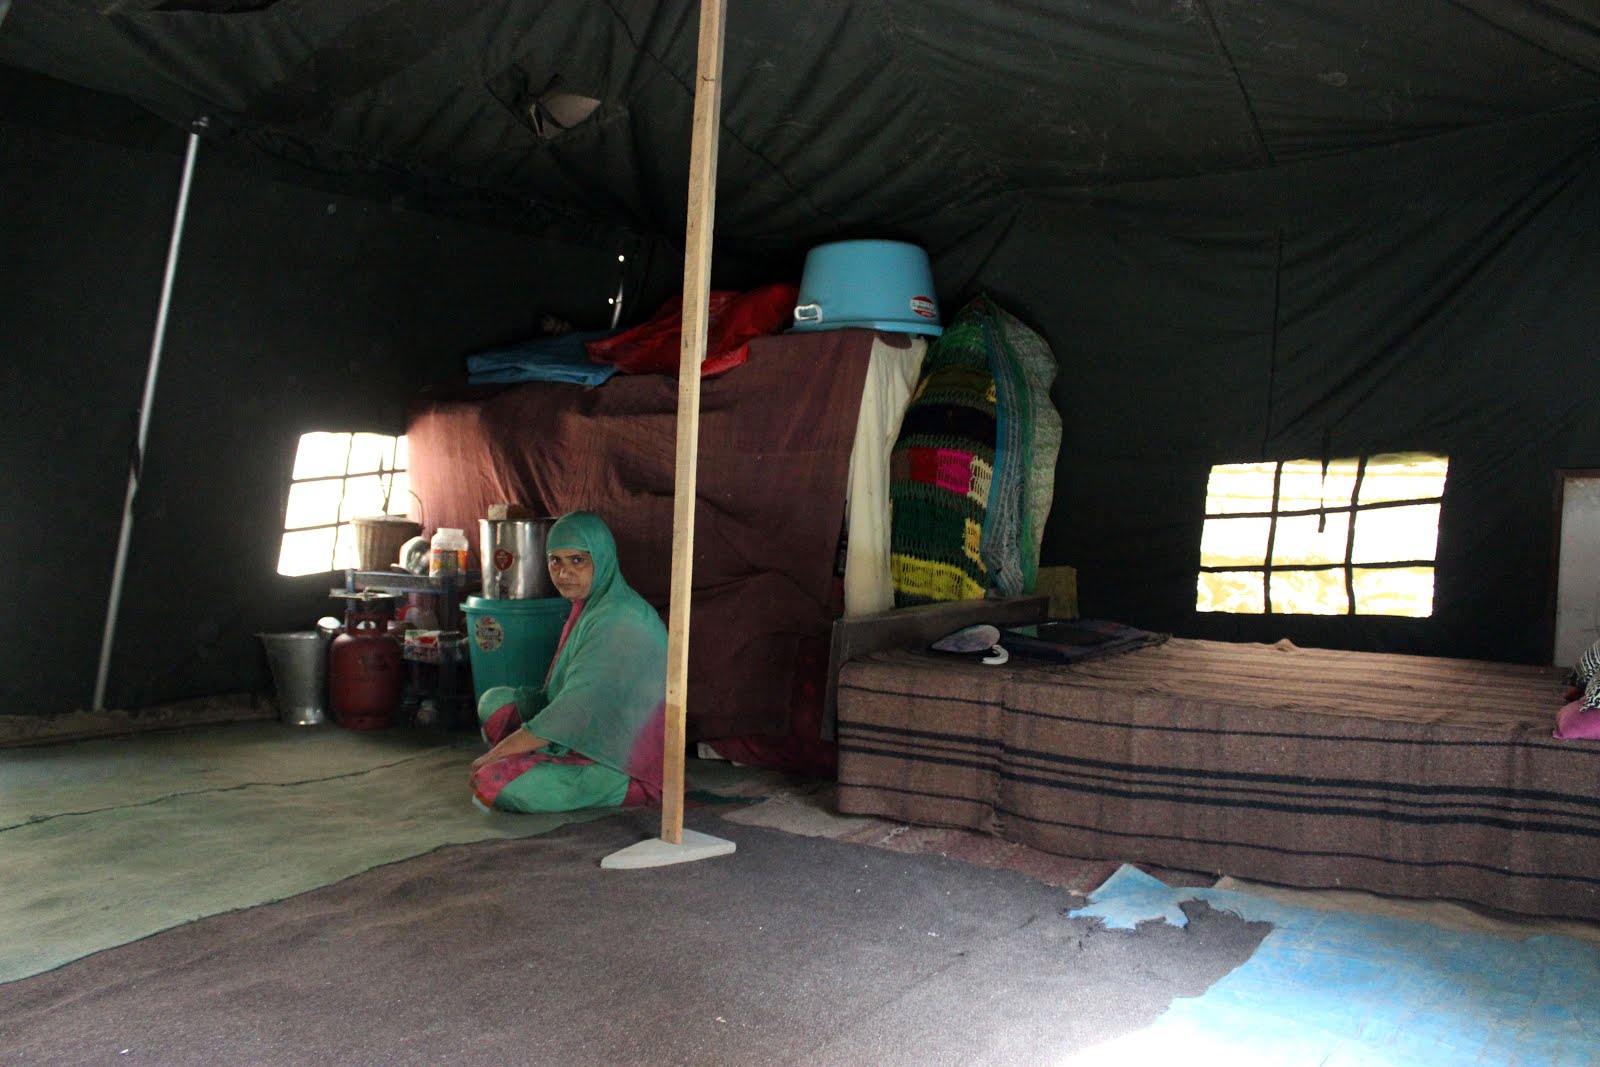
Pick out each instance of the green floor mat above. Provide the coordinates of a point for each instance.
(108, 841)
(86, 776)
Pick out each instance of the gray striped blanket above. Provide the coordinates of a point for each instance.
(1406, 775)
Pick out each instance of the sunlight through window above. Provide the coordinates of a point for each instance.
(1304, 537)
(338, 477)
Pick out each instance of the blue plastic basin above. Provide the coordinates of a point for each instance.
(875, 285)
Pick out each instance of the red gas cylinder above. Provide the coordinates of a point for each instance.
(365, 672)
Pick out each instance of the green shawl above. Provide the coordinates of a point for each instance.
(605, 697)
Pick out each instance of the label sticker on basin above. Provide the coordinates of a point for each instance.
(488, 633)
(924, 306)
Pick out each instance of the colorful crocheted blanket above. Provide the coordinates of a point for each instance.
(972, 473)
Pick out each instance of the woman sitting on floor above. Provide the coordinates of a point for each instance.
(591, 736)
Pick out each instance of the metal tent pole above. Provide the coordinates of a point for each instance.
(136, 463)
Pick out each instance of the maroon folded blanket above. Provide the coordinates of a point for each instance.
(774, 449)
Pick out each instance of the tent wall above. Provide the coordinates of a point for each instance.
(1433, 296)
(293, 310)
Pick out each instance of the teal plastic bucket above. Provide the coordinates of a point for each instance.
(874, 285)
(511, 642)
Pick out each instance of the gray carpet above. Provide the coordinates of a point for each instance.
(793, 950)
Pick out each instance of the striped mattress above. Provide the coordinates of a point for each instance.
(1405, 775)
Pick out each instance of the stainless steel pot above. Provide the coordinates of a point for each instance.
(511, 558)
(414, 555)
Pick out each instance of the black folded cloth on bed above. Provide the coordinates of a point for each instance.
(1074, 640)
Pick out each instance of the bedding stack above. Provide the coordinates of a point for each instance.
(972, 474)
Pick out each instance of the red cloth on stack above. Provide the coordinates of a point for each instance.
(653, 347)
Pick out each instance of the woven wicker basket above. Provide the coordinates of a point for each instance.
(379, 537)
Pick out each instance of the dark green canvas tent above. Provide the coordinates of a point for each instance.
(1248, 231)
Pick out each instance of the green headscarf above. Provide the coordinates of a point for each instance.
(606, 692)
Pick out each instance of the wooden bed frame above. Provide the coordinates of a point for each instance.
(1405, 775)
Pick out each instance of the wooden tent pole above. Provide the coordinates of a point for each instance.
(677, 845)
(696, 298)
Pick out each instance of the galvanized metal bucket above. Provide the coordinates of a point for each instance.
(299, 663)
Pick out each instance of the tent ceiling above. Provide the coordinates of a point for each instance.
(910, 117)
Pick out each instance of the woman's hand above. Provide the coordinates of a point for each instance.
(513, 744)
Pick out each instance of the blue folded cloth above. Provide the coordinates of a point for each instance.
(545, 359)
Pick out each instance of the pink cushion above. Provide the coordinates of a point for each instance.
(1574, 720)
